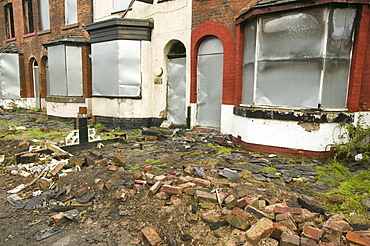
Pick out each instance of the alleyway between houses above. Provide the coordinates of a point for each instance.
(173, 187)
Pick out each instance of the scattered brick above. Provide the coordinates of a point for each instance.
(242, 214)
(237, 222)
(155, 188)
(286, 220)
(202, 182)
(260, 230)
(186, 179)
(256, 213)
(243, 202)
(355, 237)
(231, 201)
(205, 196)
(151, 235)
(289, 240)
(279, 229)
(57, 168)
(192, 218)
(171, 189)
(187, 185)
(308, 242)
(109, 183)
(291, 210)
(119, 160)
(59, 218)
(112, 168)
(311, 232)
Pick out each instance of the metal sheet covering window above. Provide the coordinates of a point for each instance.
(9, 76)
(116, 68)
(298, 58)
(177, 90)
(45, 14)
(119, 5)
(65, 70)
(70, 12)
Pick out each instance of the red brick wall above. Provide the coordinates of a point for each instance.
(31, 44)
(363, 55)
(221, 32)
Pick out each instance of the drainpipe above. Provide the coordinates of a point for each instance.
(128, 8)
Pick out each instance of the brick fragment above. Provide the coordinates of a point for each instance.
(260, 230)
(237, 222)
(291, 210)
(256, 213)
(279, 229)
(155, 188)
(112, 168)
(57, 168)
(286, 219)
(159, 178)
(243, 202)
(192, 218)
(151, 235)
(109, 183)
(355, 237)
(171, 189)
(205, 196)
(77, 161)
(242, 214)
(311, 232)
(308, 242)
(231, 201)
(308, 216)
(202, 182)
(119, 160)
(185, 179)
(101, 162)
(187, 185)
(59, 218)
(289, 240)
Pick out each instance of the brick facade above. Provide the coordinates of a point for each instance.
(31, 46)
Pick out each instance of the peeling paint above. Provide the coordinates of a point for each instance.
(309, 126)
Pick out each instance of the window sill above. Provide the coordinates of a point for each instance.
(10, 39)
(290, 114)
(29, 35)
(65, 99)
(43, 32)
(70, 26)
(118, 97)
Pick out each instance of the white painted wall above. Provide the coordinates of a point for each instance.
(28, 103)
(172, 21)
(285, 134)
(67, 110)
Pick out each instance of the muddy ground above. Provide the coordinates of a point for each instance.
(116, 214)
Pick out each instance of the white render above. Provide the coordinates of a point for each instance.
(172, 22)
(67, 110)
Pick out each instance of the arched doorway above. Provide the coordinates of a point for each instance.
(176, 86)
(36, 83)
(210, 72)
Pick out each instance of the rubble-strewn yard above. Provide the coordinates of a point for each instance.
(187, 188)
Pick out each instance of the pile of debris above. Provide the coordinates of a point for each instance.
(217, 202)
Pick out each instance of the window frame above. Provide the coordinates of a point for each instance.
(9, 20)
(69, 10)
(29, 26)
(250, 86)
(44, 7)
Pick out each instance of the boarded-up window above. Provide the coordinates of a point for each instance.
(44, 15)
(298, 58)
(9, 76)
(71, 12)
(116, 68)
(65, 70)
(120, 5)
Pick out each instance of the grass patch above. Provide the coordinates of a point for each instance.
(270, 170)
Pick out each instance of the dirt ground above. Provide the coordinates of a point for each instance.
(116, 214)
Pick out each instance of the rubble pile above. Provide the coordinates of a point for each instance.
(184, 205)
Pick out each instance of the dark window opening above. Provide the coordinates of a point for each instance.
(177, 50)
(28, 16)
(9, 21)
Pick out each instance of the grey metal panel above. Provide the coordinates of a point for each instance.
(9, 75)
(211, 45)
(129, 68)
(210, 70)
(74, 70)
(177, 90)
(71, 12)
(45, 15)
(105, 68)
(57, 70)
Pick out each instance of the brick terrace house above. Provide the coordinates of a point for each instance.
(286, 72)
(140, 63)
(44, 56)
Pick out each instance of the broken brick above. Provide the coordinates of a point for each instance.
(57, 168)
(230, 201)
(205, 196)
(187, 185)
(171, 189)
(289, 240)
(308, 242)
(186, 179)
(77, 161)
(202, 182)
(59, 218)
(311, 232)
(237, 222)
(119, 160)
(279, 229)
(243, 202)
(112, 168)
(242, 214)
(109, 183)
(151, 235)
(192, 218)
(255, 212)
(355, 237)
(154, 189)
(291, 210)
(286, 219)
(159, 178)
(260, 230)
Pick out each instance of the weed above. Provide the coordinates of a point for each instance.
(270, 169)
